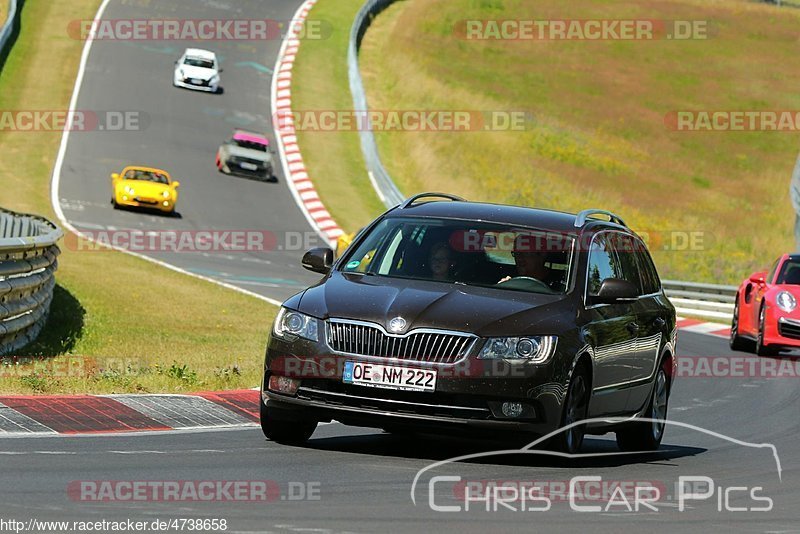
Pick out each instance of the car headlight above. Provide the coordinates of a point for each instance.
(291, 325)
(215, 78)
(129, 190)
(786, 301)
(165, 193)
(536, 349)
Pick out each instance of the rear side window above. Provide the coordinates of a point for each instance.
(650, 280)
(626, 251)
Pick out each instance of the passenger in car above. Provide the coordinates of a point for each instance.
(440, 262)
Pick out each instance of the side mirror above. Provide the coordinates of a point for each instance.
(759, 278)
(318, 260)
(614, 289)
(115, 176)
(175, 184)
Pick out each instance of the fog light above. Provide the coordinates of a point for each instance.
(283, 384)
(510, 409)
(166, 203)
(124, 197)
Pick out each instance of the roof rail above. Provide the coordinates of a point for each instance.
(410, 201)
(581, 218)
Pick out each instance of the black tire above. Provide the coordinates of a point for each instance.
(761, 349)
(114, 203)
(647, 436)
(576, 406)
(736, 341)
(285, 431)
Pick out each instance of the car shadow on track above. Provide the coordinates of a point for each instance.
(599, 452)
(151, 211)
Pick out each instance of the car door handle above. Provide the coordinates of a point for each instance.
(633, 327)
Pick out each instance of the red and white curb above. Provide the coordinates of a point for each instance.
(701, 327)
(96, 414)
(294, 169)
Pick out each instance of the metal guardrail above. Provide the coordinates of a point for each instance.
(28, 261)
(8, 25)
(712, 301)
(387, 190)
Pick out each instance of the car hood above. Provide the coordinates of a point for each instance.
(142, 188)
(200, 73)
(423, 304)
(248, 153)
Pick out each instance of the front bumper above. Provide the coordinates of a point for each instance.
(208, 87)
(262, 172)
(468, 396)
(154, 204)
(781, 329)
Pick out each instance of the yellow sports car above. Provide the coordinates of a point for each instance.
(144, 187)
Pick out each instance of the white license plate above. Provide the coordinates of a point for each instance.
(248, 166)
(389, 376)
(197, 82)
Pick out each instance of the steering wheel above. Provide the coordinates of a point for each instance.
(526, 283)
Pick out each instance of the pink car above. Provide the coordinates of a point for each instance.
(246, 154)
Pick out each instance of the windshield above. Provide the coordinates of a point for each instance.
(790, 273)
(465, 252)
(250, 144)
(199, 62)
(146, 176)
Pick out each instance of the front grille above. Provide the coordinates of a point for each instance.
(141, 200)
(239, 160)
(789, 330)
(424, 345)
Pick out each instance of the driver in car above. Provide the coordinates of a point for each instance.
(530, 263)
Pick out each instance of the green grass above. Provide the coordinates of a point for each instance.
(105, 335)
(319, 83)
(598, 138)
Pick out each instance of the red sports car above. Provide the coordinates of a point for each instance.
(766, 312)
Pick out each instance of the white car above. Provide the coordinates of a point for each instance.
(197, 69)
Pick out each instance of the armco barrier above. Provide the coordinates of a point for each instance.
(28, 253)
(388, 192)
(8, 25)
(704, 300)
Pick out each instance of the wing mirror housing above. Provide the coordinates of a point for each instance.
(318, 260)
(615, 289)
